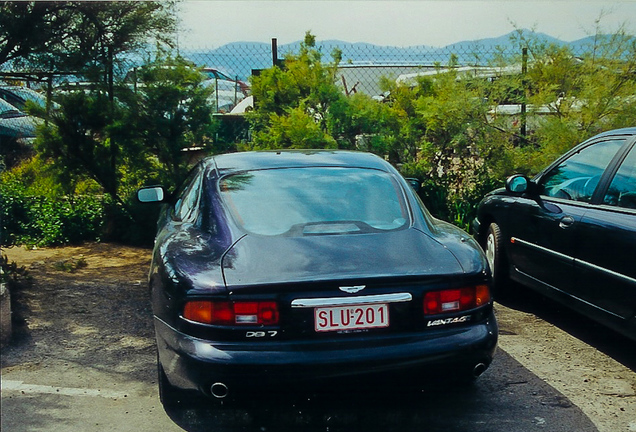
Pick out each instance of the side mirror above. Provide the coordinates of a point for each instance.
(415, 183)
(517, 184)
(151, 194)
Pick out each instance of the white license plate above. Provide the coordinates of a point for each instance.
(351, 317)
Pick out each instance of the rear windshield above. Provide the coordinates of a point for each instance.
(315, 201)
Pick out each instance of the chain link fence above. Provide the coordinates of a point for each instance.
(360, 69)
(362, 66)
(228, 69)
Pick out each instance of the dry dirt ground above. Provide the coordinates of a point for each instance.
(73, 300)
(75, 292)
(592, 366)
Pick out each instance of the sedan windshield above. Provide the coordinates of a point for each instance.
(313, 201)
(29, 95)
(7, 110)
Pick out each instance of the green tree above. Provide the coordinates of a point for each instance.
(578, 96)
(170, 112)
(81, 138)
(90, 135)
(69, 36)
(138, 137)
(293, 102)
(446, 139)
(360, 122)
(299, 105)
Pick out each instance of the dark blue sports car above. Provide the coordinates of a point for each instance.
(304, 267)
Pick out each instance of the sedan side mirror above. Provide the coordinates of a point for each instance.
(517, 184)
(151, 194)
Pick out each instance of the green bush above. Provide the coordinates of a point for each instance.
(34, 219)
(10, 273)
(133, 223)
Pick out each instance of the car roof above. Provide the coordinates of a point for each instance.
(246, 161)
(17, 90)
(623, 131)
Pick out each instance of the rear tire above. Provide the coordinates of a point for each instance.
(496, 257)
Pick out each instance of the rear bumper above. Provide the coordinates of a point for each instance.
(196, 364)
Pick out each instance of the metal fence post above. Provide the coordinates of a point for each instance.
(49, 97)
(274, 51)
(524, 80)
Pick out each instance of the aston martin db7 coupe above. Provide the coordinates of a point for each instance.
(307, 267)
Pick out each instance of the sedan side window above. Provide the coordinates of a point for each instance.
(622, 190)
(576, 178)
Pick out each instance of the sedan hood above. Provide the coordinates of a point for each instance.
(257, 260)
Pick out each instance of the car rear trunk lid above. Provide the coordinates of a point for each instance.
(278, 260)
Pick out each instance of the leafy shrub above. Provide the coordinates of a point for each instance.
(35, 219)
(10, 272)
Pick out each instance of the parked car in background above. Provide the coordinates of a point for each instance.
(216, 74)
(17, 132)
(18, 96)
(228, 92)
(570, 232)
(15, 125)
(294, 268)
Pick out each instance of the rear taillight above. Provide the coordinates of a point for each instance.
(232, 313)
(456, 300)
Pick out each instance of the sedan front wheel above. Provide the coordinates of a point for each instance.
(496, 258)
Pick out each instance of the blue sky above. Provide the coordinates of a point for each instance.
(212, 23)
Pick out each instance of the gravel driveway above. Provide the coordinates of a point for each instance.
(75, 296)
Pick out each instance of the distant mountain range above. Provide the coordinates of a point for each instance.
(238, 59)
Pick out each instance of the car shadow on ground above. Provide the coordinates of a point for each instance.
(507, 397)
(609, 342)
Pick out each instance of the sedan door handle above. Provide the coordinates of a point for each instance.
(566, 222)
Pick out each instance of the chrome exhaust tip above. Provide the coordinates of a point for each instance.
(479, 369)
(219, 390)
